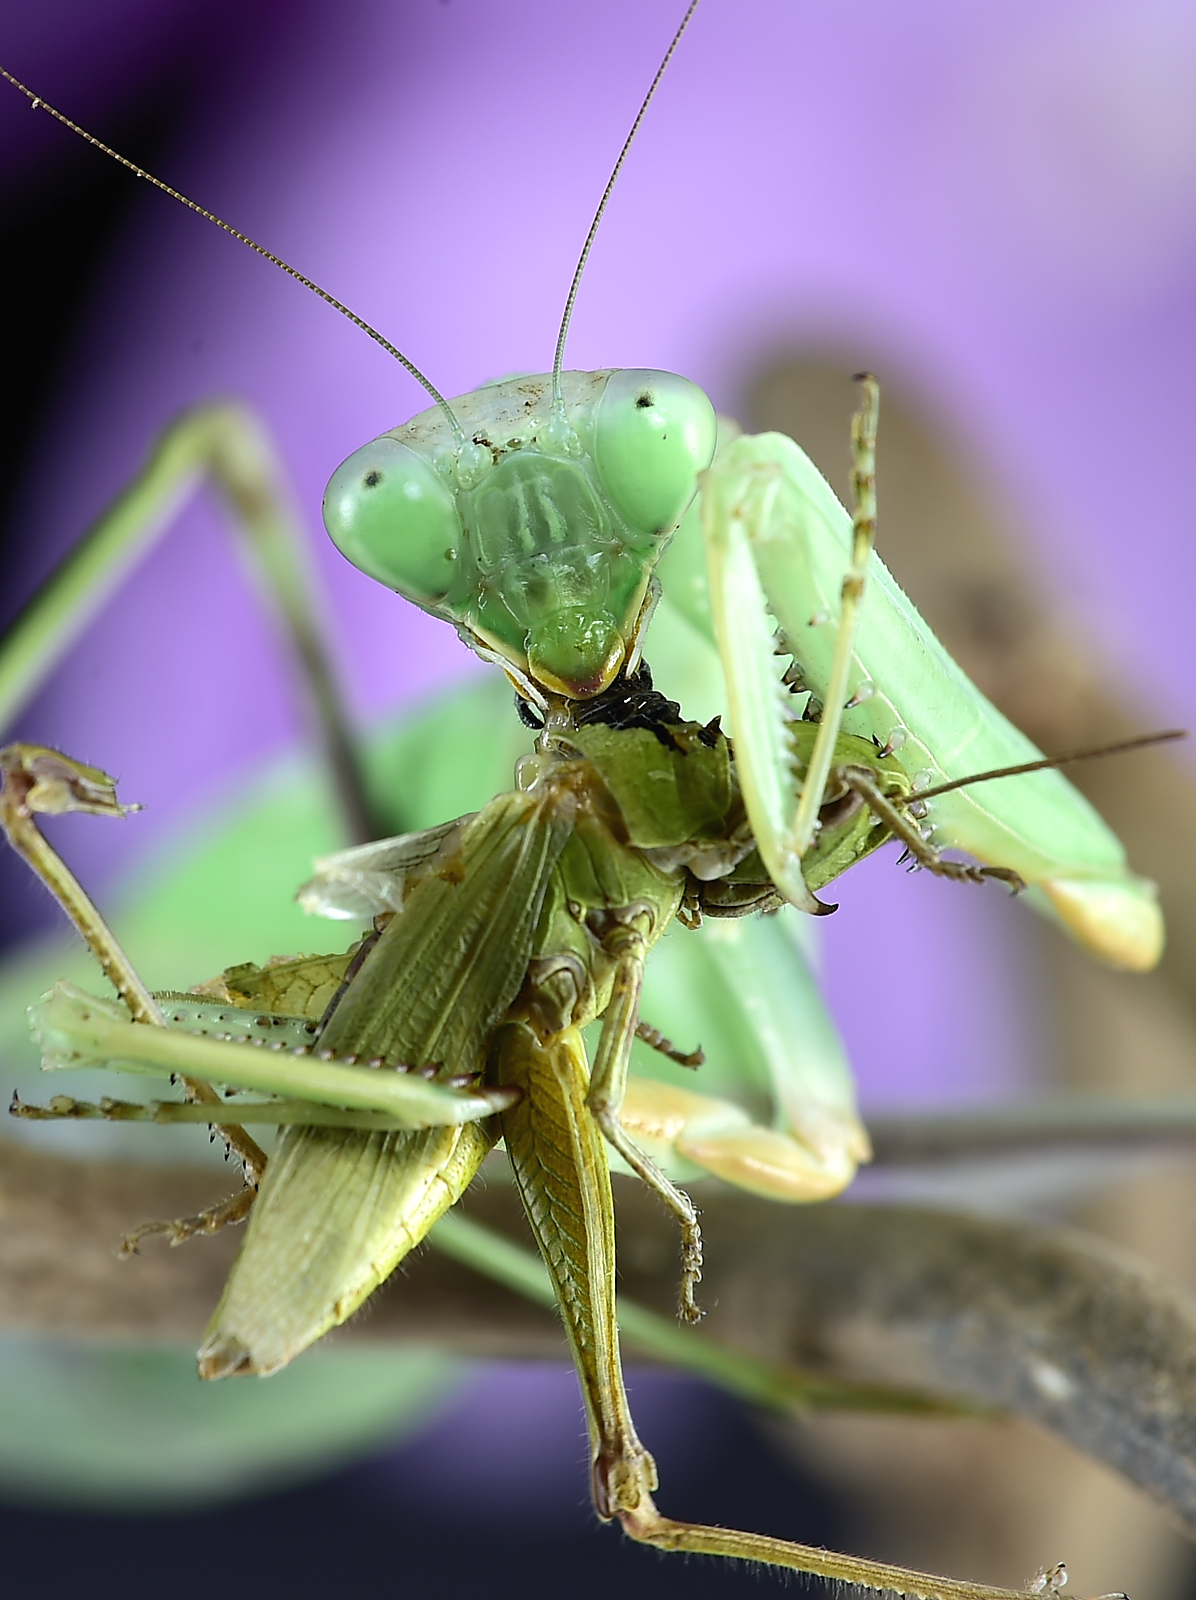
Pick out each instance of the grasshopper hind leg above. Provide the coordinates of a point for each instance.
(559, 1160)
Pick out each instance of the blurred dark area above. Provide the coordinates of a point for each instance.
(58, 223)
(371, 1526)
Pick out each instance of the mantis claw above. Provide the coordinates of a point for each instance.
(781, 549)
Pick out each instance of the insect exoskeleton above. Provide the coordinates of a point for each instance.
(532, 515)
(533, 523)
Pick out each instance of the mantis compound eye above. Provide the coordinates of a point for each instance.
(532, 524)
(653, 432)
(391, 514)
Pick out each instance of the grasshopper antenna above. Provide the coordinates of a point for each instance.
(559, 358)
(39, 104)
(1063, 759)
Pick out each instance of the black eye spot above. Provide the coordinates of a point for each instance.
(372, 479)
(643, 401)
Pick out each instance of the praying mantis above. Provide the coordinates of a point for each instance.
(782, 868)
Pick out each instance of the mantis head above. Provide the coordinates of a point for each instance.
(532, 525)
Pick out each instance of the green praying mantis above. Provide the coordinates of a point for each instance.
(539, 512)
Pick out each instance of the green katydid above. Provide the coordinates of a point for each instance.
(591, 657)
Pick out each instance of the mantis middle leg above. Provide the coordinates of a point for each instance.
(224, 444)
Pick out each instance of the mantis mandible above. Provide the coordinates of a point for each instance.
(785, 839)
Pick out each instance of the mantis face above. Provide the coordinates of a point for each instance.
(534, 525)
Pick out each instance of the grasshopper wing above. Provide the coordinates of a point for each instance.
(338, 1209)
(371, 878)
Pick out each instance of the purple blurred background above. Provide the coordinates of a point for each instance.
(997, 201)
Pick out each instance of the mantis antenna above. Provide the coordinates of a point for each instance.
(559, 358)
(41, 105)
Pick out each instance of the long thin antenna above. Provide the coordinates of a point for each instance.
(1063, 759)
(41, 105)
(559, 358)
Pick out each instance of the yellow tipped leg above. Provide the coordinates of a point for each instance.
(1117, 919)
(722, 1139)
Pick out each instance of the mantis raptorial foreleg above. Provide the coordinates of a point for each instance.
(224, 444)
(766, 753)
(863, 537)
(778, 545)
(745, 510)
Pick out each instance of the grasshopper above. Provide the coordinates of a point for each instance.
(563, 654)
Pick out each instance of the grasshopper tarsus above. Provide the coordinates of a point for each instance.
(658, 1041)
(224, 1214)
(1014, 881)
(688, 1309)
